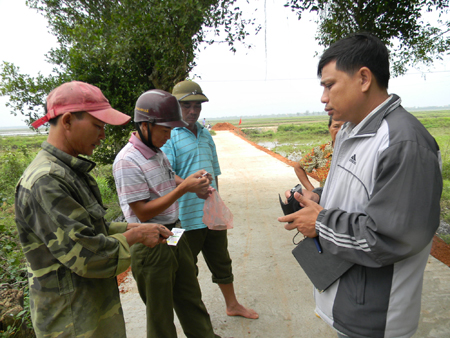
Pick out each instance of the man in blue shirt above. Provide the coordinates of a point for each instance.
(191, 149)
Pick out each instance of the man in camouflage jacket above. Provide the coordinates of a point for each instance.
(72, 254)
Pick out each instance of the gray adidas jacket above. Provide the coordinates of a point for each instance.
(381, 202)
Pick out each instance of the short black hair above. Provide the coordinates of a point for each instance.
(330, 120)
(356, 51)
(54, 121)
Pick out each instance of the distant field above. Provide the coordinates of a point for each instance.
(20, 131)
(11, 142)
(435, 115)
(272, 121)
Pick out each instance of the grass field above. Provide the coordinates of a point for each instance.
(259, 122)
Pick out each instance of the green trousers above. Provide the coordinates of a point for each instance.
(214, 246)
(166, 280)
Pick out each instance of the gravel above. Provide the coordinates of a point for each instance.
(444, 228)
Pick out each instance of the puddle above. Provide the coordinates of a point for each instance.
(269, 145)
(294, 156)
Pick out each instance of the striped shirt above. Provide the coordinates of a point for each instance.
(143, 175)
(189, 154)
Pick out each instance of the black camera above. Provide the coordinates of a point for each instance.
(292, 205)
(297, 188)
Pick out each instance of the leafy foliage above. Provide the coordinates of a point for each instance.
(399, 24)
(123, 47)
(27, 94)
(12, 267)
(13, 272)
(257, 134)
(12, 164)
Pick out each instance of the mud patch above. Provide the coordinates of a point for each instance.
(121, 278)
(441, 250)
(223, 126)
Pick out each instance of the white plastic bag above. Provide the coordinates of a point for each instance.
(216, 215)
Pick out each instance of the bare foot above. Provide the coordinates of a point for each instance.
(239, 310)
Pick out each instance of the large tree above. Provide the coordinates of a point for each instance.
(401, 24)
(123, 47)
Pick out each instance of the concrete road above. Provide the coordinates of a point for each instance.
(267, 277)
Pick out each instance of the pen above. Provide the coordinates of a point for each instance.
(316, 241)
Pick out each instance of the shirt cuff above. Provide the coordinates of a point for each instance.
(318, 191)
(124, 256)
(319, 220)
(117, 228)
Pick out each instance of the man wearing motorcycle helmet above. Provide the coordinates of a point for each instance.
(192, 148)
(148, 189)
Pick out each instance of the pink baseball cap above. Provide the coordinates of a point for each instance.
(77, 96)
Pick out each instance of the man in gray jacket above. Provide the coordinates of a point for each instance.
(379, 208)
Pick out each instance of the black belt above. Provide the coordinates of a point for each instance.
(170, 226)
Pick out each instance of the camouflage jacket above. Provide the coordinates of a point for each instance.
(72, 255)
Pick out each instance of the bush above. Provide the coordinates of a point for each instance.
(105, 180)
(307, 128)
(257, 134)
(13, 272)
(267, 134)
(14, 159)
(251, 132)
(12, 165)
(12, 261)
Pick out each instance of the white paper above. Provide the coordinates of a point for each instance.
(177, 233)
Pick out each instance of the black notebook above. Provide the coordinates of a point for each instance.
(323, 269)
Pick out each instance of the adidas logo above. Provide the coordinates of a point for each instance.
(353, 159)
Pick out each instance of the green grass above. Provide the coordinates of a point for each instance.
(105, 180)
(445, 238)
(15, 142)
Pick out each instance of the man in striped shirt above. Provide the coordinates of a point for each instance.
(190, 149)
(148, 189)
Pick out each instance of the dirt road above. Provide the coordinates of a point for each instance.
(267, 277)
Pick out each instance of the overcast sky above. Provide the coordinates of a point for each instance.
(277, 75)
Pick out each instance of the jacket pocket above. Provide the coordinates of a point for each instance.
(64, 280)
(360, 285)
(96, 213)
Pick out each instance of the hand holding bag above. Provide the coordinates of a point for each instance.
(216, 215)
